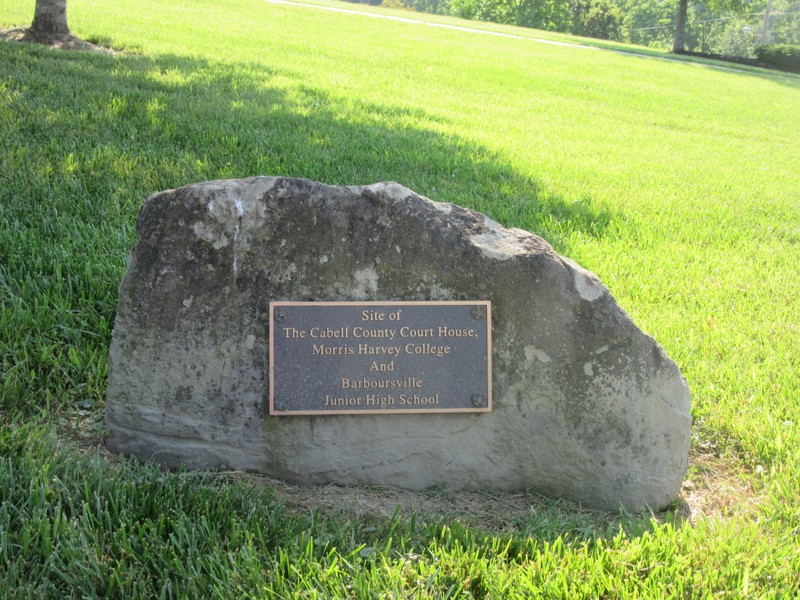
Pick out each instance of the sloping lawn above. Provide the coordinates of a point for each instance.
(678, 183)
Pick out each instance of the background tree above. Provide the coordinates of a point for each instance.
(649, 22)
(50, 18)
(679, 43)
(715, 6)
(551, 15)
(782, 26)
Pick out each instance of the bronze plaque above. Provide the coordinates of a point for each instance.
(380, 357)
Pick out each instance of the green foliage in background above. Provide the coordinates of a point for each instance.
(730, 28)
(601, 19)
(677, 183)
(784, 56)
(785, 22)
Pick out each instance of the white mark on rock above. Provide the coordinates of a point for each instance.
(323, 259)
(588, 370)
(188, 301)
(440, 293)
(601, 349)
(239, 215)
(366, 281)
(493, 245)
(588, 288)
(250, 342)
(498, 242)
(209, 234)
(532, 353)
(393, 190)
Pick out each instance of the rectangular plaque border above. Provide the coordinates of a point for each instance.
(334, 412)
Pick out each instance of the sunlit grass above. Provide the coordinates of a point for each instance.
(678, 183)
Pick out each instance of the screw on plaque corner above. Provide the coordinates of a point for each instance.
(478, 400)
(479, 312)
(281, 315)
(281, 404)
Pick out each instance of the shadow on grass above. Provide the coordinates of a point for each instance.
(469, 513)
(738, 67)
(111, 130)
(142, 532)
(86, 137)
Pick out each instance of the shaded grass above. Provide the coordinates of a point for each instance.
(75, 170)
(73, 526)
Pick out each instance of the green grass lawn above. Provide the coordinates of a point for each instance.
(677, 182)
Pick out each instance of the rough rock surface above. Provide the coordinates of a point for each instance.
(586, 406)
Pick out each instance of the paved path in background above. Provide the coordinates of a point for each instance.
(516, 37)
(430, 24)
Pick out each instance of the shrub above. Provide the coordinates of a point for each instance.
(600, 19)
(465, 9)
(434, 7)
(781, 56)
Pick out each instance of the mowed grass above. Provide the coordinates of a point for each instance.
(677, 183)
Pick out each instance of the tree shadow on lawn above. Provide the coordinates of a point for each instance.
(126, 126)
(90, 136)
(86, 137)
(716, 488)
(762, 72)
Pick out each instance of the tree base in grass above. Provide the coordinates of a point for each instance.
(64, 41)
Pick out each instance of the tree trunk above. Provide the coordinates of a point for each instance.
(765, 27)
(679, 44)
(50, 17)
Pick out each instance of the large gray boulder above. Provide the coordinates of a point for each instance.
(585, 405)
